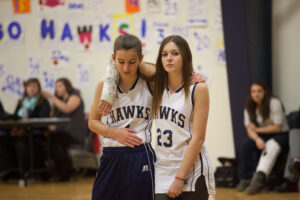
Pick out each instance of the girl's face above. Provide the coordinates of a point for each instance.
(171, 58)
(127, 62)
(257, 93)
(60, 89)
(32, 89)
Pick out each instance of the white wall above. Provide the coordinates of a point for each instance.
(286, 43)
(219, 138)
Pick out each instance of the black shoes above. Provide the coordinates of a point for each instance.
(287, 186)
(295, 168)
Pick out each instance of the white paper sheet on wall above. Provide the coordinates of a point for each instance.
(197, 13)
(94, 5)
(217, 16)
(143, 30)
(83, 74)
(170, 9)
(154, 6)
(12, 31)
(60, 59)
(34, 66)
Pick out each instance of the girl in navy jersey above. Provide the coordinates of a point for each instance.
(126, 170)
(183, 169)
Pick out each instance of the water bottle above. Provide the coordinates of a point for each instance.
(24, 112)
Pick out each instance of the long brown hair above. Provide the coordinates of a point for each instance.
(26, 84)
(265, 105)
(69, 88)
(161, 76)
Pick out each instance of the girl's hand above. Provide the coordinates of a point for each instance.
(197, 78)
(125, 136)
(260, 144)
(175, 189)
(46, 94)
(104, 107)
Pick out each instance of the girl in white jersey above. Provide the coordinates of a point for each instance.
(126, 171)
(183, 169)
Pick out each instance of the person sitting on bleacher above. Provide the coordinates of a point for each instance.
(292, 167)
(66, 103)
(267, 129)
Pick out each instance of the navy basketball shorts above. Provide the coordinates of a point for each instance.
(125, 174)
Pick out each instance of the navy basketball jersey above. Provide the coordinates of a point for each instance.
(131, 110)
(174, 131)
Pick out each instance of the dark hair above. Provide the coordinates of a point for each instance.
(26, 84)
(161, 76)
(67, 84)
(265, 105)
(126, 42)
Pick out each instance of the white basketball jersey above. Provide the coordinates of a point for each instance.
(131, 110)
(174, 132)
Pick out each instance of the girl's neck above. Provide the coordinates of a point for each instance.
(126, 83)
(175, 81)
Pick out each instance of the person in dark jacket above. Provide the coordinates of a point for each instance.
(31, 105)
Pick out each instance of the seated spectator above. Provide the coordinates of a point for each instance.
(292, 167)
(31, 105)
(267, 129)
(66, 103)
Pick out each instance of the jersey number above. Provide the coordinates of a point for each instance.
(168, 134)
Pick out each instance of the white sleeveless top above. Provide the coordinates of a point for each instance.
(174, 131)
(131, 110)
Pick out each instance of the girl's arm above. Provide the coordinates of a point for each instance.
(147, 69)
(276, 128)
(200, 115)
(123, 135)
(70, 106)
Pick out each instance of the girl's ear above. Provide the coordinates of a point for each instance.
(113, 56)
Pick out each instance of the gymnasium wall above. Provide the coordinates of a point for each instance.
(45, 43)
(286, 43)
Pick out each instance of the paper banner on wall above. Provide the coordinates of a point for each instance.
(34, 66)
(11, 32)
(95, 5)
(71, 32)
(51, 5)
(75, 5)
(197, 12)
(170, 9)
(21, 6)
(132, 6)
(154, 6)
(12, 85)
(83, 74)
(143, 30)
(122, 24)
(60, 59)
